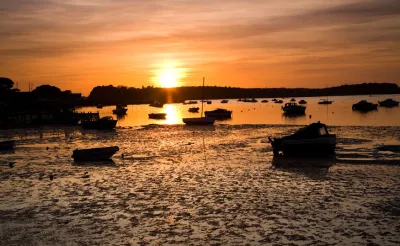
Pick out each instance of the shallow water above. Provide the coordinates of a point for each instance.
(198, 186)
(339, 113)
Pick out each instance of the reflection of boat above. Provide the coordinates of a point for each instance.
(119, 109)
(190, 102)
(95, 154)
(224, 101)
(7, 145)
(194, 110)
(264, 101)
(389, 103)
(99, 106)
(202, 120)
(158, 116)
(313, 139)
(293, 108)
(219, 113)
(302, 102)
(325, 101)
(156, 104)
(363, 105)
(106, 122)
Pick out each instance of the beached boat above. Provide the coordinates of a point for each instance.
(224, 101)
(389, 103)
(313, 139)
(219, 113)
(158, 116)
(94, 154)
(325, 101)
(302, 102)
(363, 105)
(264, 101)
(7, 145)
(106, 122)
(194, 110)
(156, 104)
(293, 108)
(200, 121)
(119, 109)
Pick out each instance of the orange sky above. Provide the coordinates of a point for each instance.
(79, 44)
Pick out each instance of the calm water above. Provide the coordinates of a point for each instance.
(339, 113)
(220, 185)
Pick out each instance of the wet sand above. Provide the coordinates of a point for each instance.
(186, 186)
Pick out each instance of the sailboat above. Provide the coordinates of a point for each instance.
(199, 121)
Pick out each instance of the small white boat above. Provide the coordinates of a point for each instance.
(325, 101)
(94, 154)
(293, 108)
(7, 145)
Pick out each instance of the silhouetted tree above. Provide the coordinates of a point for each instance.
(6, 83)
(47, 92)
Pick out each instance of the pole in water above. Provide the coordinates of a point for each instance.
(202, 99)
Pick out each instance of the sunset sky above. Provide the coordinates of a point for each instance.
(78, 44)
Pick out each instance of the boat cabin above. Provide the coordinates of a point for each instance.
(313, 130)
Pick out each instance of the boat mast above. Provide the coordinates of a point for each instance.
(202, 99)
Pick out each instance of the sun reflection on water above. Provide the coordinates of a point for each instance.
(173, 114)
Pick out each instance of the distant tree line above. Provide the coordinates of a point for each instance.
(109, 95)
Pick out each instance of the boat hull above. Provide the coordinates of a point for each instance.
(95, 154)
(198, 121)
(7, 145)
(305, 147)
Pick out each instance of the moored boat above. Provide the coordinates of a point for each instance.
(325, 101)
(99, 106)
(224, 101)
(389, 103)
(94, 154)
(253, 100)
(119, 109)
(363, 105)
(106, 122)
(190, 102)
(313, 139)
(292, 100)
(219, 113)
(158, 116)
(156, 104)
(279, 101)
(202, 121)
(293, 108)
(194, 110)
(302, 102)
(264, 101)
(7, 145)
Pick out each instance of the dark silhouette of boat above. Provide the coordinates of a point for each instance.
(190, 102)
(7, 145)
(302, 102)
(104, 123)
(158, 116)
(278, 101)
(363, 105)
(94, 154)
(293, 108)
(325, 101)
(253, 100)
(119, 109)
(312, 140)
(224, 101)
(99, 106)
(156, 104)
(194, 110)
(264, 101)
(388, 103)
(219, 113)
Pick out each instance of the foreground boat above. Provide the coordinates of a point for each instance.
(363, 105)
(119, 109)
(158, 116)
(293, 108)
(314, 140)
(389, 103)
(7, 145)
(219, 113)
(106, 122)
(94, 154)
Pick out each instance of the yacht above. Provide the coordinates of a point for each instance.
(293, 108)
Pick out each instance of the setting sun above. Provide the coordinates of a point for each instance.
(168, 78)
